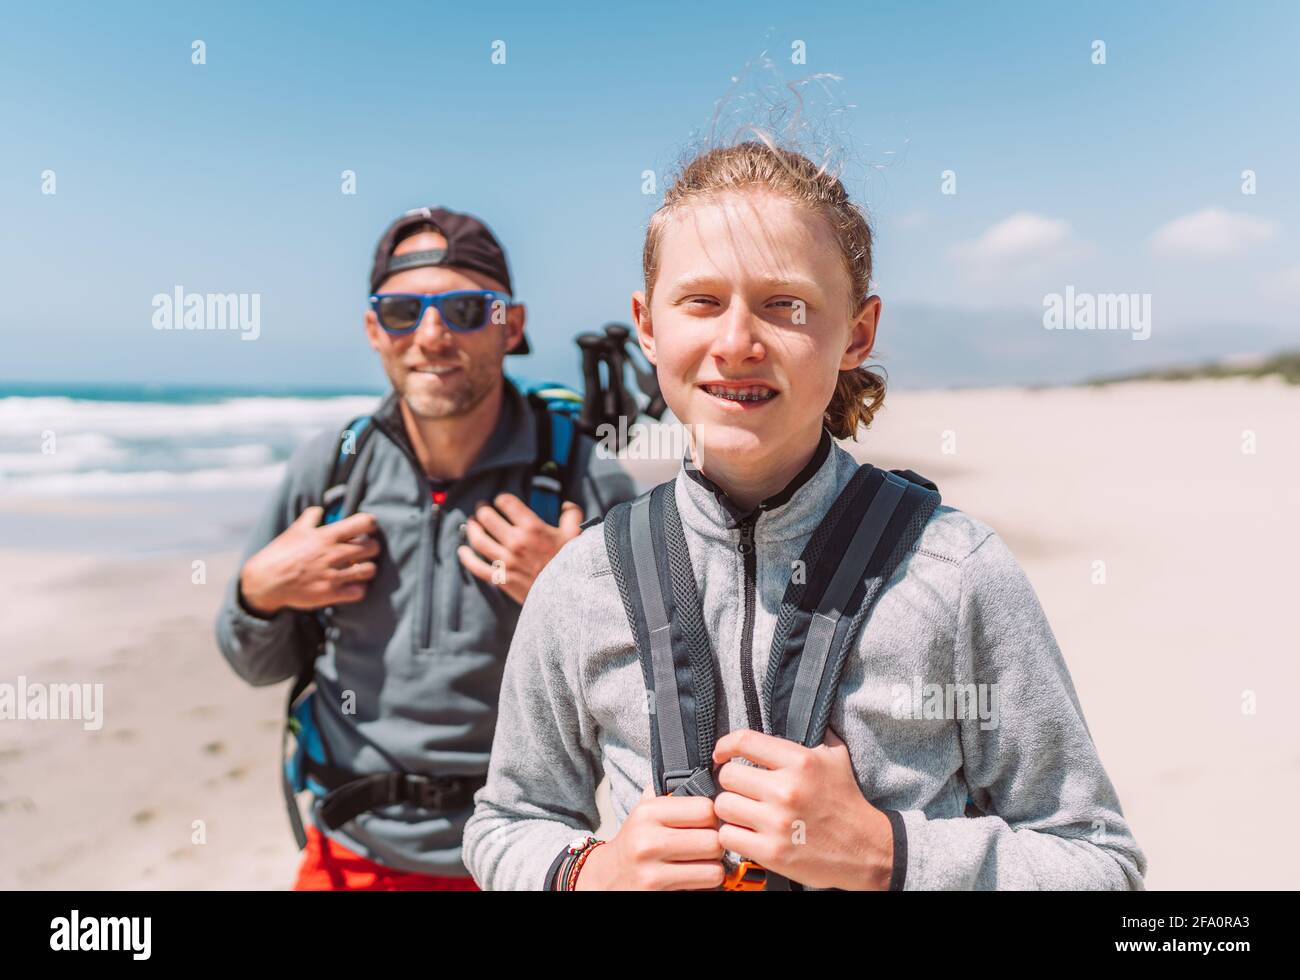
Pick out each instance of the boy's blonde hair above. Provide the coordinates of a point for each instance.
(860, 392)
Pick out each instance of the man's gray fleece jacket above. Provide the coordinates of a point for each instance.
(422, 653)
(958, 611)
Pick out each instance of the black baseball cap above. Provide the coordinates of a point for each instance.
(470, 245)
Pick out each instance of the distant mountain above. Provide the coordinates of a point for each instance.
(944, 347)
(1285, 364)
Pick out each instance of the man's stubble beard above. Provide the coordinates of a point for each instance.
(478, 385)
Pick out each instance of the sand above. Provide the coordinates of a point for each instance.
(183, 739)
(1194, 620)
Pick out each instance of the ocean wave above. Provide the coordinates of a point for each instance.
(254, 454)
(172, 420)
(63, 446)
(73, 452)
(98, 483)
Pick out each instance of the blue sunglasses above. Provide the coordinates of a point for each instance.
(463, 310)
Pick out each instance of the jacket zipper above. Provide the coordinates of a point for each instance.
(435, 522)
(746, 549)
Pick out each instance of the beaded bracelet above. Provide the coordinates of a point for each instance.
(571, 882)
(577, 851)
(567, 856)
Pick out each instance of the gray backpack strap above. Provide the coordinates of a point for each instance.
(834, 602)
(849, 561)
(643, 537)
(673, 754)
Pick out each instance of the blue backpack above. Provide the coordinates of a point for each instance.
(307, 762)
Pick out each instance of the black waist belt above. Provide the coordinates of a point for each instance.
(350, 796)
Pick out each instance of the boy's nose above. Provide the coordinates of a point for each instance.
(737, 338)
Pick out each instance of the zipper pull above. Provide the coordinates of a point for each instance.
(437, 498)
(746, 536)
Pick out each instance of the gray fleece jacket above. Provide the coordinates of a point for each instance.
(958, 611)
(419, 659)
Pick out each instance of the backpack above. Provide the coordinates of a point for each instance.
(307, 762)
(848, 562)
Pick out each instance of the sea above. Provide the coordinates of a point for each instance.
(147, 469)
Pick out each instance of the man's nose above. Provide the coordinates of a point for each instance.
(433, 330)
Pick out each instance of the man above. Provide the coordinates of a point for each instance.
(418, 589)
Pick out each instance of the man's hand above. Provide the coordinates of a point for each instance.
(515, 542)
(310, 567)
(803, 815)
(666, 842)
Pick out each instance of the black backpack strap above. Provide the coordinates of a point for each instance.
(644, 539)
(306, 674)
(849, 560)
(342, 493)
(340, 498)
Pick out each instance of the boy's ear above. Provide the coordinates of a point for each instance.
(645, 334)
(862, 339)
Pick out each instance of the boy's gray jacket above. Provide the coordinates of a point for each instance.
(958, 611)
(410, 674)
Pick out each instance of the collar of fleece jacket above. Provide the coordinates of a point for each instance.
(787, 514)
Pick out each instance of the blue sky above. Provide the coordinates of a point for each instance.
(225, 177)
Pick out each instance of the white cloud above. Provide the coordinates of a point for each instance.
(1211, 233)
(1023, 235)
(1017, 256)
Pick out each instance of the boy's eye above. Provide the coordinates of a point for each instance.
(787, 304)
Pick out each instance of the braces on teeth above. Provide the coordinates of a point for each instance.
(741, 395)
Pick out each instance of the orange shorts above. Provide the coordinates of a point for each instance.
(328, 866)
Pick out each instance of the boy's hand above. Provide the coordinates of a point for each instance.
(515, 542)
(803, 814)
(666, 842)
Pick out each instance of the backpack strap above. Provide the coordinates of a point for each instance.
(339, 498)
(557, 435)
(341, 494)
(848, 561)
(644, 540)
(853, 553)
(307, 765)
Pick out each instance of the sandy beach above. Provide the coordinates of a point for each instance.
(1185, 659)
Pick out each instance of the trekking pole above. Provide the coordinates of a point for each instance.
(624, 405)
(647, 380)
(593, 415)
